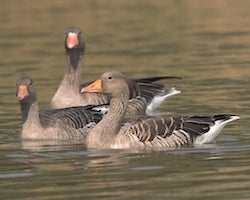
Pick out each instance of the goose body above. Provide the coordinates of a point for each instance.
(67, 94)
(62, 124)
(146, 132)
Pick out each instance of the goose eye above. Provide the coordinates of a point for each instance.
(110, 77)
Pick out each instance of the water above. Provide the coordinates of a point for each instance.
(205, 43)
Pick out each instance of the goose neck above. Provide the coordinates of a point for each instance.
(104, 134)
(74, 60)
(30, 113)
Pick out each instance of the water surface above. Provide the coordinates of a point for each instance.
(205, 43)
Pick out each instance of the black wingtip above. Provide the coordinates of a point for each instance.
(157, 78)
(226, 117)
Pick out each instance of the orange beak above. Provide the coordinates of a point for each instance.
(93, 87)
(22, 92)
(72, 40)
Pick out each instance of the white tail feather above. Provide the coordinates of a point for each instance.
(213, 131)
(159, 99)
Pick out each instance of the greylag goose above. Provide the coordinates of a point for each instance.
(67, 94)
(147, 132)
(68, 123)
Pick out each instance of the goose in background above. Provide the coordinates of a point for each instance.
(67, 94)
(155, 132)
(62, 124)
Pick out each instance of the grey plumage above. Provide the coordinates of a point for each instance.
(68, 123)
(75, 117)
(68, 95)
(147, 132)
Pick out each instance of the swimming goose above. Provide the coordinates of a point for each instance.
(67, 94)
(147, 132)
(68, 123)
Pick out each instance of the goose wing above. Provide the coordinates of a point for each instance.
(145, 87)
(75, 117)
(163, 131)
(136, 107)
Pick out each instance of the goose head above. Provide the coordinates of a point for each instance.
(25, 90)
(111, 83)
(74, 40)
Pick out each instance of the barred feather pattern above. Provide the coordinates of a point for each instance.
(74, 117)
(68, 95)
(67, 123)
(145, 87)
(166, 132)
(136, 107)
(142, 92)
(154, 132)
(148, 131)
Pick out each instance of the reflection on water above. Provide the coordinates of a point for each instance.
(205, 43)
(213, 172)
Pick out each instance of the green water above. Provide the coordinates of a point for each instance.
(207, 43)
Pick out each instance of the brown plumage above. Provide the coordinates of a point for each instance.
(146, 132)
(67, 94)
(64, 124)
